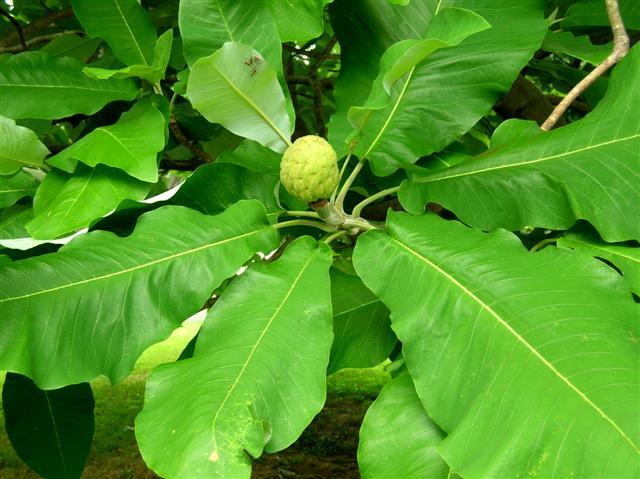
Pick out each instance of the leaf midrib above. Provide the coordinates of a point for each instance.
(520, 339)
(255, 347)
(134, 268)
(254, 106)
(526, 163)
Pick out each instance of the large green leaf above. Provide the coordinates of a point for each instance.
(578, 47)
(123, 24)
(593, 13)
(153, 73)
(131, 144)
(73, 46)
(528, 361)
(19, 146)
(214, 187)
(626, 257)
(361, 327)
(589, 170)
(298, 21)
(66, 202)
(254, 157)
(37, 85)
(51, 431)
(206, 26)
(259, 369)
(95, 305)
(16, 186)
(447, 93)
(447, 28)
(237, 88)
(397, 438)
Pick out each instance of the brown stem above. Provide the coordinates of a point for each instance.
(36, 25)
(37, 40)
(316, 84)
(620, 49)
(16, 25)
(177, 133)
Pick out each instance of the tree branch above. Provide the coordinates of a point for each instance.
(36, 25)
(16, 25)
(620, 49)
(37, 40)
(177, 133)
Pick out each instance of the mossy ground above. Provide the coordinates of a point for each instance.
(327, 449)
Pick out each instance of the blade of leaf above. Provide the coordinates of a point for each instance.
(96, 304)
(16, 186)
(624, 256)
(37, 85)
(65, 202)
(515, 355)
(19, 146)
(152, 73)
(131, 144)
(395, 420)
(589, 170)
(260, 361)
(446, 94)
(236, 88)
(361, 327)
(206, 26)
(51, 431)
(123, 24)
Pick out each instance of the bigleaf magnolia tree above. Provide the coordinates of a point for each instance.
(493, 263)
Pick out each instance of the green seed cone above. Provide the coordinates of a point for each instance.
(309, 168)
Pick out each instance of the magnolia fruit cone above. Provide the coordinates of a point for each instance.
(309, 169)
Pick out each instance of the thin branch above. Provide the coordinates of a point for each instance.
(17, 26)
(372, 199)
(314, 224)
(188, 165)
(347, 184)
(37, 40)
(620, 49)
(177, 133)
(36, 25)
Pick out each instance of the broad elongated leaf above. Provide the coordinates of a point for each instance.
(37, 85)
(447, 28)
(213, 188)
(94, 306)
(72, 46)
(206, 26)
(259, 365)
(19, 146)
(51, 431)
(397, 438)
(66, 202)
(626, 257)
(593, 13)
(578, 47)
(131, 144)
(237, 88)
(13, 220)
(254, 157)
(298, 21)
(447, 93)
(123, 24)
(361, 327)
(153, 73)
(509, 347)
(589, 170)
(16, 186)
